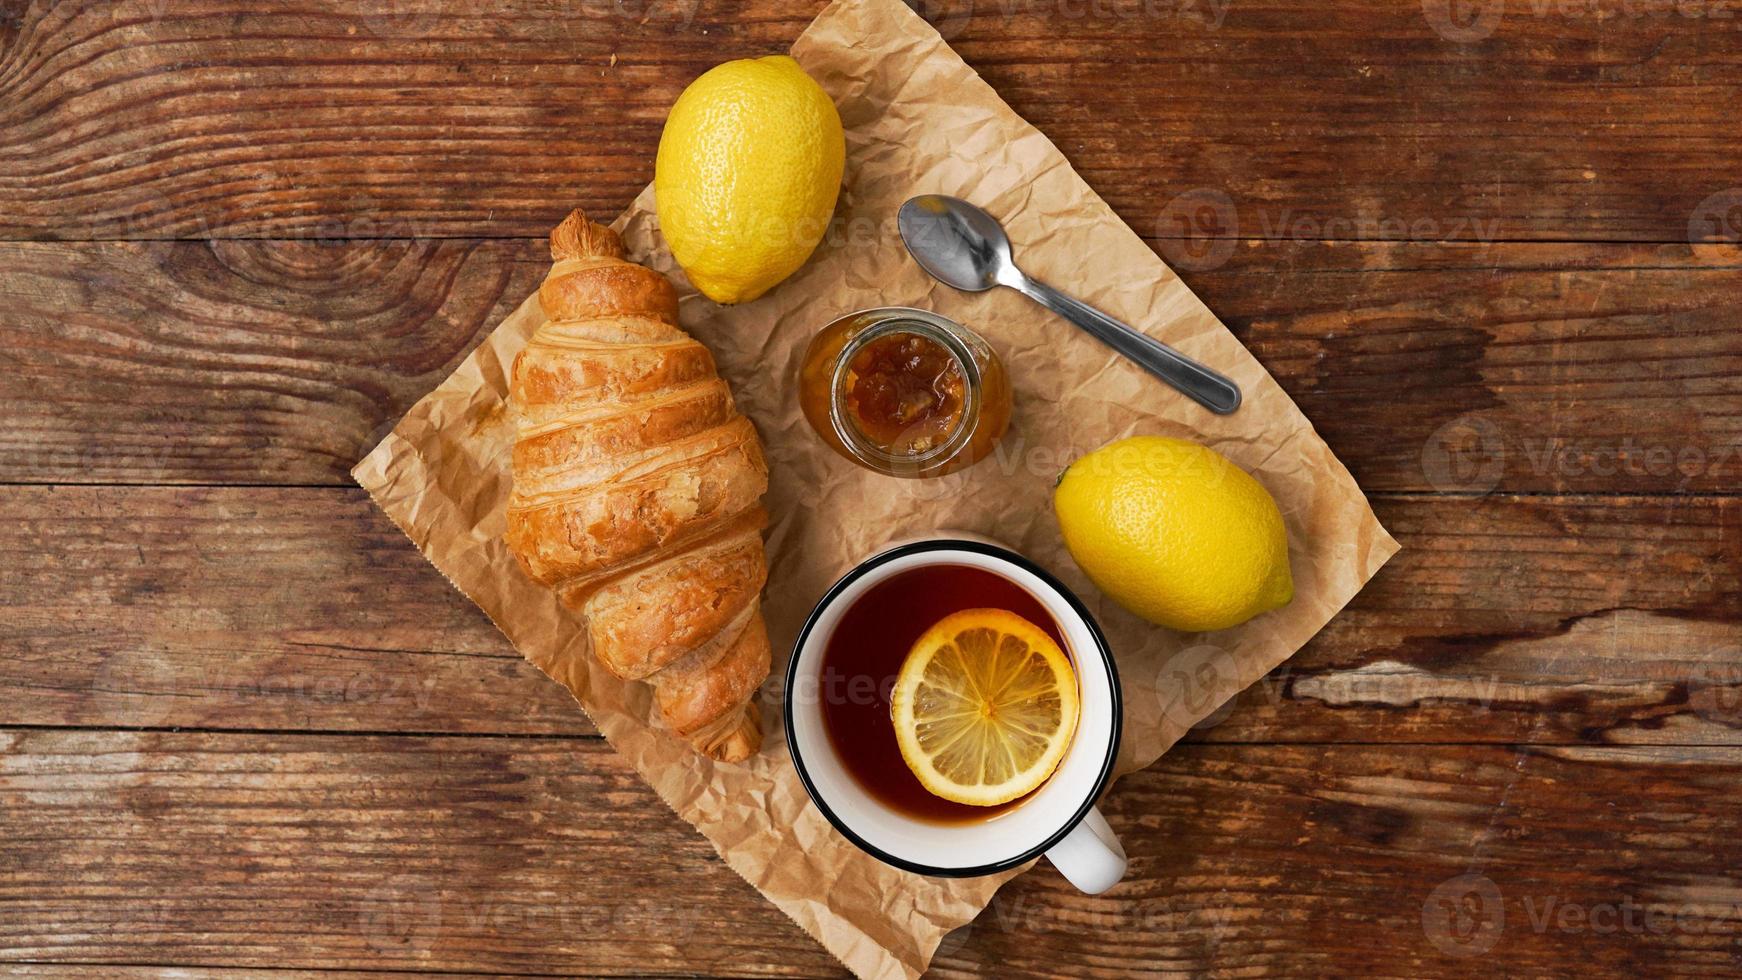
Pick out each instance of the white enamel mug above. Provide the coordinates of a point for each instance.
(1059, 820)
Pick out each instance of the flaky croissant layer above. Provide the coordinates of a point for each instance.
(637, 490)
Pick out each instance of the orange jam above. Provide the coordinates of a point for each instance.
(904, 392)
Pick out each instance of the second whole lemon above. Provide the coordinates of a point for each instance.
(748, 171)
(1175, 532)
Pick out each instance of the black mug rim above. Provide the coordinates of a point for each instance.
(1100, 644)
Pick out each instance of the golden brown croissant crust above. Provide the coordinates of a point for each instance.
(637, 490)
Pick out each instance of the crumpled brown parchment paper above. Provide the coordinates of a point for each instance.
(917, 120)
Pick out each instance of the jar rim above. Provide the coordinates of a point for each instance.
(946, 334)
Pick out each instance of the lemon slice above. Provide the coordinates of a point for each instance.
(984, 707)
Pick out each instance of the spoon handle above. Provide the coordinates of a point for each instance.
(1199, 383)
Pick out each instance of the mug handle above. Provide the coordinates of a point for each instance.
(1089, 857)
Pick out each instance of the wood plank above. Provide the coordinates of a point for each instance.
(510, 855)
(236, 362)
(1356, 861)
(247, 608)
(94, 971)
(1529, 368)
(488, 117)
(1529, 619)
(478, 855)
(1559, 368)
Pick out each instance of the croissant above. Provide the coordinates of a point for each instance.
(637, 490)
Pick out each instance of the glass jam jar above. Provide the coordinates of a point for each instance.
(904, 392)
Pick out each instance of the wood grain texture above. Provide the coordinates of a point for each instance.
(1468, 368)
(536, 856)
(234, 362)
(1451, 368)
(237, 850)
(105, 971)
(247, 608)
(238, 242)
(1532, 620)
(487, 117)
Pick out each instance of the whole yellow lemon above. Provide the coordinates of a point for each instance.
(1175, 532)
(749, 166)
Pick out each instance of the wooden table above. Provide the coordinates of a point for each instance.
(1491, 251)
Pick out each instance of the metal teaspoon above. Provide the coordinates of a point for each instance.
(964, 247)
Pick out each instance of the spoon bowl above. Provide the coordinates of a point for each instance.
(962, 246)
(959, 244)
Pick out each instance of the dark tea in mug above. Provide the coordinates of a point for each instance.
(865, 654)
